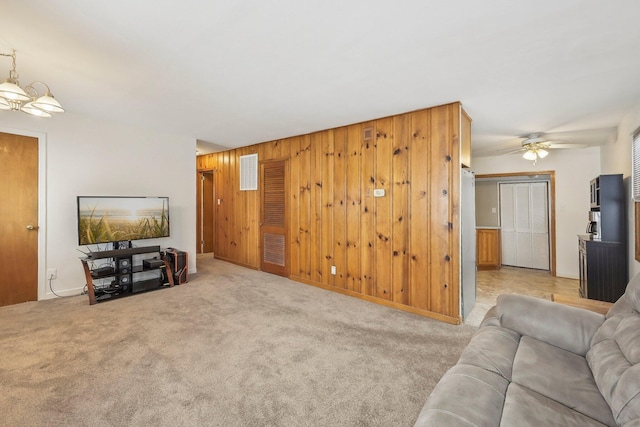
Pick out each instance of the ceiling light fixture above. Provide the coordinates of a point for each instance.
(27, 99)
(534, 153)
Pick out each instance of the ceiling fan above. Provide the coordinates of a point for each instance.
(536, 146)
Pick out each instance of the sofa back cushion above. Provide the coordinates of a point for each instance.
(628, 302)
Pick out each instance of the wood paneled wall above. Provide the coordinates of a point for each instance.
(401, 249)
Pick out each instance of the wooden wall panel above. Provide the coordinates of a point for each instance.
(316, 207)
(234, 208)
(383, 206)
(339, 211)
(294, 207)
(327, 227)
(454, 209)
(366, 203)
(355, 222)
(305, 207)
(440, 229)
(400, 207)
(225, 205)
(401, 249)
(420, 218)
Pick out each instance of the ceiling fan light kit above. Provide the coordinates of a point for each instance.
(534, 153)
(27, 99)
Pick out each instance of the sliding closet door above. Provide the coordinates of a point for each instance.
(540, 225)
(524, 217)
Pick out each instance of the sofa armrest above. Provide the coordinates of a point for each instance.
(566, 327)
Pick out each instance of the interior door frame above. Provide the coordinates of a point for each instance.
(552, 206)
(200, 209)
(42, 206)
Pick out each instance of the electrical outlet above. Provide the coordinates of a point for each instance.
(52, 273)
(333, 270)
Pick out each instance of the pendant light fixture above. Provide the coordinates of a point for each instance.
(27, 99)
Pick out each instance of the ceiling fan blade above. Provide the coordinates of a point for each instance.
(565, 145)
(511, 151)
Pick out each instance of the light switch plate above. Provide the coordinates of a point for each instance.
(378, 192)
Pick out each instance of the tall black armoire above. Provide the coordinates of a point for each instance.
(603, 258)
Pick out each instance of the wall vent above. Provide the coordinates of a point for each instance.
(368, 133)
(249, 172)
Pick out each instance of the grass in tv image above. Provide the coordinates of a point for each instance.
(118, 219)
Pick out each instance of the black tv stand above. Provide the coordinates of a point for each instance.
(115, 253)
(127, 273)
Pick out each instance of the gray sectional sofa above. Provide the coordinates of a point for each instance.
(535, 362)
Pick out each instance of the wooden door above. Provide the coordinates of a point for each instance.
(273, 217)
(18, 219)
(205, 221)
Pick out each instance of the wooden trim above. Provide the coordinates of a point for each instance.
(381, 301)
(552, 205)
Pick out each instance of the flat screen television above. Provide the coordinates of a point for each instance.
(110, 219)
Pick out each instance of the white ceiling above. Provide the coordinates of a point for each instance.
(239, 72)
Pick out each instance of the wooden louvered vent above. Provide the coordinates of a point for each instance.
(274, 249)
(273, 218)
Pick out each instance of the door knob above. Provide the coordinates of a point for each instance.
(31, 227)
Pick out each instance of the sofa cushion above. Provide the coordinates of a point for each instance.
(465, 396)
(627, 336)
(492, 348)
(632, 292)
(566, 327)
(560, 375)
(630, 300)
(614, 363)
(524, 407)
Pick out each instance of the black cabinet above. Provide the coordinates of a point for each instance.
(603, 269)
(607, 197)
(603, 260)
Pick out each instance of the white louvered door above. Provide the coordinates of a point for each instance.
(524, 216)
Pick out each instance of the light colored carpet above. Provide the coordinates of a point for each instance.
(233, 347)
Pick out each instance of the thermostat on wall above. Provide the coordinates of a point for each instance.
(378, 192)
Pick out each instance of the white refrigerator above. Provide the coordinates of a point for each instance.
(468, 242)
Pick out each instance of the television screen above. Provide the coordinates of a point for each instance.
(104, 219)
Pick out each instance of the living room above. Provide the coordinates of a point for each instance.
(114, 143)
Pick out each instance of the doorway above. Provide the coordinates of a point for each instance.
(488, 208)
(205, 212)
(524, 221)
(19, 210)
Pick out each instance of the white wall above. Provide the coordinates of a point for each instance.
(574, 169)
(84, 156)
(616, 158)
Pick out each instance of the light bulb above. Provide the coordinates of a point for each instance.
(530, 155)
